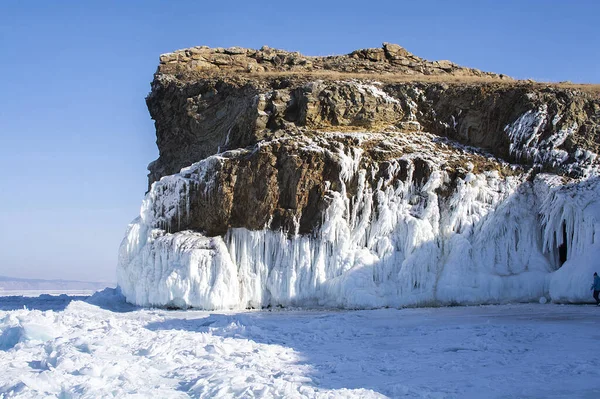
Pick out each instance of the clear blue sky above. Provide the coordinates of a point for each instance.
(76, 136)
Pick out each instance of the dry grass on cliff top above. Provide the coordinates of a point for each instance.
(592, 89)
(449, 79)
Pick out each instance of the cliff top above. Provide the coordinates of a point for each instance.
(387, 60)
(391, 63)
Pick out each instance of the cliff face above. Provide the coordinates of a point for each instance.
(203, 110)
(371, 179)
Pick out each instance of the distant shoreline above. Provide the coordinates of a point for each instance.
(36, 293)
(34, 287)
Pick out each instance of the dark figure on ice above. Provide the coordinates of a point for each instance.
(596, 288)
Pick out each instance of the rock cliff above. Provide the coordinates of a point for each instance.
(375, 178)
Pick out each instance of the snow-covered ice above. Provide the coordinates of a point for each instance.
(505, 351)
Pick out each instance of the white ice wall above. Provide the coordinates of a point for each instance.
(391, 244)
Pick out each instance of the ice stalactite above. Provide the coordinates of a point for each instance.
(525, 133)
(181, 269)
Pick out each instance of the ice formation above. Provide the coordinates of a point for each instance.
(393, 243)
(526, 143)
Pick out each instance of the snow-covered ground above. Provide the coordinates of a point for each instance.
(115, 350)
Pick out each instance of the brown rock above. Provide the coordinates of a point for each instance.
(235, 50)
(220, 59)
(445, 65)
(394, 51)
(375, 54)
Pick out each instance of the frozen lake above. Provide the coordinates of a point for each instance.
(114, 350)
(36, 293)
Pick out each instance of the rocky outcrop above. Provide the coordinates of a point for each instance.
(193, 62)
(195, 119)
(375, 178)
(282, 184)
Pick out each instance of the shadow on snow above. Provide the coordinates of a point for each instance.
(397, 352)
(344, 349)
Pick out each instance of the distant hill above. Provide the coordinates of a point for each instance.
(24, 284)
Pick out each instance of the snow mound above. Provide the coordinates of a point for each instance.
(110, 299)
(39, 326)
